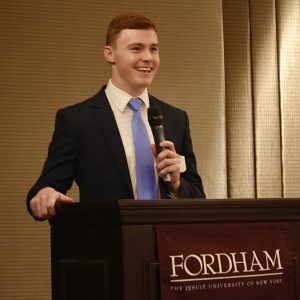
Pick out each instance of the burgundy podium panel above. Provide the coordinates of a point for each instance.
(232, 261)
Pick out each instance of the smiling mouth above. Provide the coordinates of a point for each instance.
(144, 69)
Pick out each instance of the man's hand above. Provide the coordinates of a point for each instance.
(42, 205)
(168, 162)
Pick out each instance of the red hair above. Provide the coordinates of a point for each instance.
(127, 21)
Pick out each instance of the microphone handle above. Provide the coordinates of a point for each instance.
(159, 136)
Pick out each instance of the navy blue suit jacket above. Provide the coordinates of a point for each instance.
(87, 147)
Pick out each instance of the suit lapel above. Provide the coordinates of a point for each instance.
(110, 131)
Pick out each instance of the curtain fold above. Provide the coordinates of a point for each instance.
(262, 75)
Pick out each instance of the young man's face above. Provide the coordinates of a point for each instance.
(134, 55)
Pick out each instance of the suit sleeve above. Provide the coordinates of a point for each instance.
(59, 170)
(190, 181)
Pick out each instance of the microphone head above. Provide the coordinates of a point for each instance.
(155, 117)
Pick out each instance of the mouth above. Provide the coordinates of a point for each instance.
(144, 69)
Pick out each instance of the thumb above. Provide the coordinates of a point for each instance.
(65, 199)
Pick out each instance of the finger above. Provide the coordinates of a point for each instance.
(44, 206)
(33, 207)
(50, 205)
(169, 162)
(166, 154)
(174, 172)
(57, 198)
(38, 208)
(65, 199)
(168, 145)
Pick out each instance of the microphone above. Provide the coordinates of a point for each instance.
(155, 120)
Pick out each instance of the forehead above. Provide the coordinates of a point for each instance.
(136, 36)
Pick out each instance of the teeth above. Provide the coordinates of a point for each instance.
(144, 69)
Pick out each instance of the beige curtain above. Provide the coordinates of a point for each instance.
(262, 75)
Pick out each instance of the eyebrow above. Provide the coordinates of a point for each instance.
(141, 44)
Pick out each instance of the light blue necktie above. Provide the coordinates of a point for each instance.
(145, 176)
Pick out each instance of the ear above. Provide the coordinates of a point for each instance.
(109, 54)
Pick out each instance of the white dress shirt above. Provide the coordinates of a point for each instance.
(118, 100)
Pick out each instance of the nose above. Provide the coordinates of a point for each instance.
(147, 55)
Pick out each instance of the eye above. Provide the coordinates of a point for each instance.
(135, 48)
(154, 49)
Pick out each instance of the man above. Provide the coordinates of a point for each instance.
(93, 143)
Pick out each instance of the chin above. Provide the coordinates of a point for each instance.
(146, 82)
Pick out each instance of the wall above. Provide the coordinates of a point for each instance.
(51, 56)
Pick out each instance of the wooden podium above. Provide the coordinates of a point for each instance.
(107, 250)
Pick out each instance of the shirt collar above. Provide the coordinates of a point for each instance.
(121, 98)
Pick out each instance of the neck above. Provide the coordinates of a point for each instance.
(130, 91)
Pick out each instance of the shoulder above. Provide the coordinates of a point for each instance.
(167, 109)
(95, 101)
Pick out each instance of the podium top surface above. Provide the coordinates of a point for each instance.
(187, 211)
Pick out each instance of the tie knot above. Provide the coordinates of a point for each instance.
(135, 104)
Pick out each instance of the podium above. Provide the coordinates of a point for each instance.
(107, 250)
